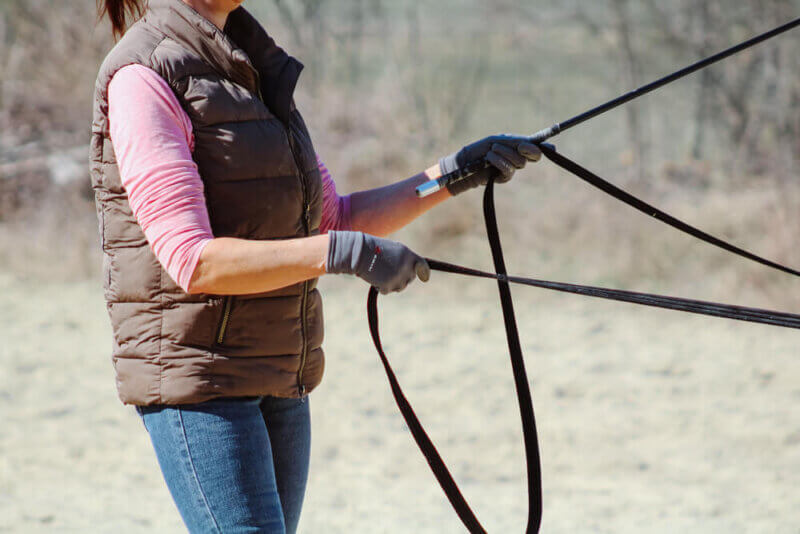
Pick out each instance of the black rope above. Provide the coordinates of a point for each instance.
(756, 315)
(439, 468)
(524, 399)
(424, 443)
(648, 209)
(714, 309)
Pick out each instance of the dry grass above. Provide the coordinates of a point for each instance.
(55, 239)
(385, 100)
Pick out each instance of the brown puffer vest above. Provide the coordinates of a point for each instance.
(261, 181)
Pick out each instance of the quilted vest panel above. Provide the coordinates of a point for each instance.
(261, 180)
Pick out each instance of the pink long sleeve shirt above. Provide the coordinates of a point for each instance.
(153, 141)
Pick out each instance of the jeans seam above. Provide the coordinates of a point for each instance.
(194, 473)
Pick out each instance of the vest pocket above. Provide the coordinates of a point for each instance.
(224, 320)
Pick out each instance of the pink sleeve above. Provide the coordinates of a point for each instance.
(335, 209)
(153, 142)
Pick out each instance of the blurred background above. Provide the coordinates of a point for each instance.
(389, 87)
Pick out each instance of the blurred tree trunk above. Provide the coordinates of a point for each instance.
(304, 20)
(749, 97)
(638, 135)
(704, 86)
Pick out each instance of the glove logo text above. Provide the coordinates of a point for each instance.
(374, 259)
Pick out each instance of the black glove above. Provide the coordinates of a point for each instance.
(388, 265)
(505, 153)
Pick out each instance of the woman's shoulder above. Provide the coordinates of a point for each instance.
(139, 83)
(136, 47)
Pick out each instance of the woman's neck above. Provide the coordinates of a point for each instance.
(215, 11)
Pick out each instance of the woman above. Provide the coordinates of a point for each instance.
(216, 218)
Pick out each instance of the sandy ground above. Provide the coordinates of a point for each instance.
(650, 421)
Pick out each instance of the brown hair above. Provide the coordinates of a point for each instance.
(119, 11)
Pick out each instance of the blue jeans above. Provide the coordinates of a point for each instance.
(234, 465)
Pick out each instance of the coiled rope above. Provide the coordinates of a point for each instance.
(770, 317)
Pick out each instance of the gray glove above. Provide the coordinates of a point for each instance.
(387, 265)
(505, 153)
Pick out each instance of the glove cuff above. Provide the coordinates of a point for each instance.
(344, 252)
(449, 163)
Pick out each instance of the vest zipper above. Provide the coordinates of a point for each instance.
(301, 388)
(223, 324)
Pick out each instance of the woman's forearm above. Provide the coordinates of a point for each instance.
(386, 209)
(230, 266)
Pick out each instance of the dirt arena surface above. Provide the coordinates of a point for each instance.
(649, 421)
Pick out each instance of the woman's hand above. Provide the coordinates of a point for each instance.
(505, 153)
(387, 265)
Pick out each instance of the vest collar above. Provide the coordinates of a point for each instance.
(242, 52)
(278, 70)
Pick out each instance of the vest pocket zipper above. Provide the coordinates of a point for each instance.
(223, 323)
